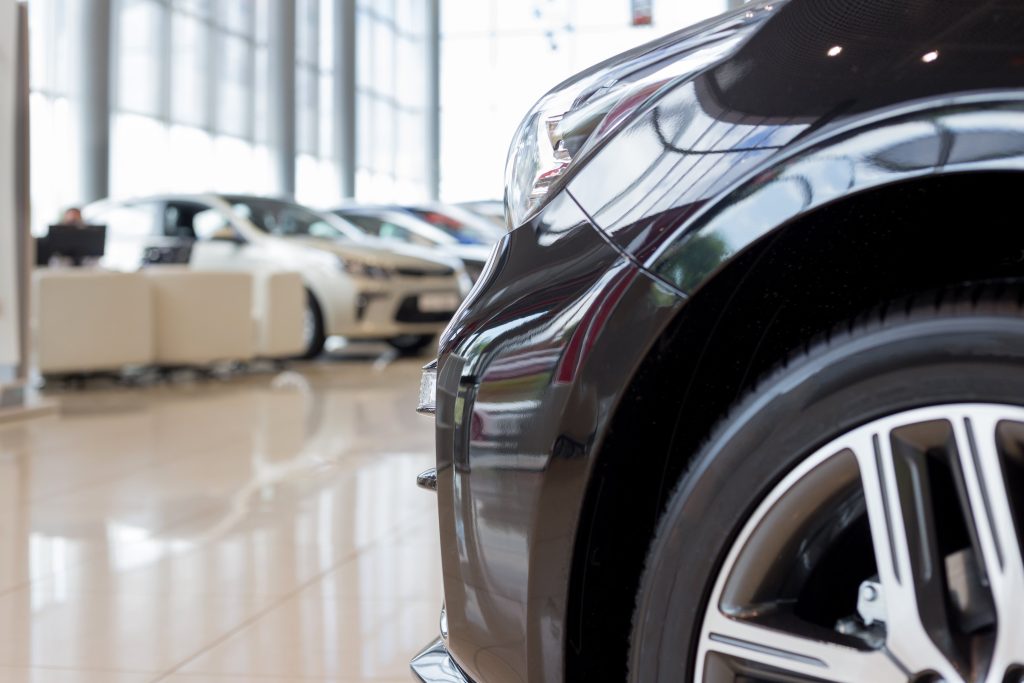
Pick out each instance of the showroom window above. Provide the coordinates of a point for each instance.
(190, 93)
(54, 136)
(198, 111)
(498, 58)
(316, 163)
(391, 82)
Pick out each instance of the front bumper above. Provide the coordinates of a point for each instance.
(529, 374)
(434, 665)
(392, 309)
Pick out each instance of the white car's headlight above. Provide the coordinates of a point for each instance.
(362, 269)
(573, 119)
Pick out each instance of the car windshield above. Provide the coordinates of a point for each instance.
(290, 220)
(465, 231)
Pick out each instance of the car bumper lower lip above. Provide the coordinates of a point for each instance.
(434, 665)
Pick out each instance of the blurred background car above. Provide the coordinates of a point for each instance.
(358, 288)
(468, 242)
(464, 225)
(491, 209)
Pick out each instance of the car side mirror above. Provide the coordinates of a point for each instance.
(227, 234)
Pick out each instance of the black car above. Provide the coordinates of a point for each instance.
(741, 395)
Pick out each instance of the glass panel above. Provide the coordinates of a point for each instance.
(189, 70)
(240, 167)
(327, 116)
(383, 137)
(140, 41)
(365, 50)
(52, 43)
(307, 33)
(410, 17)
(261, 101)
(383, 58)
(385, 9)
(137, 141)
(316, 181)
(188, 168)
(411, 82)
(234, 113)
(199, 8)
(306, 103)
(327, 34)
(54, 159)
(262, 19)
(411, 157)
(236, 15)
(366, 124)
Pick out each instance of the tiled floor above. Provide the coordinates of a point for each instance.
(265, 529)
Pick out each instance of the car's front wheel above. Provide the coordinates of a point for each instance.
(859, 516)
(313, 335)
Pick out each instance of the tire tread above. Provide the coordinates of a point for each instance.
(1001, 297)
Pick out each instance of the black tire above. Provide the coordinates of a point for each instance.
(962, 345)
(411, 344)
(315, 335)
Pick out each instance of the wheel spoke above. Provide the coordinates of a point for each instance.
(941, 490)
(992, 517)
(902, 533)
(795, 655)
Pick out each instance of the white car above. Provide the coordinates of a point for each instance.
(425, 226)
(357, 287)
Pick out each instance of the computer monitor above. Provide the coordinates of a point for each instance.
(76, 242)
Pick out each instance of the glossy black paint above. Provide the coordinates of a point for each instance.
(536, 364)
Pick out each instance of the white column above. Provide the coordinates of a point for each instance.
(93, 71)
(345, 94)
(282, 93)
(433, 98)
(10, 357)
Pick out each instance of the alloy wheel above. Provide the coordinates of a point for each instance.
(893, 553)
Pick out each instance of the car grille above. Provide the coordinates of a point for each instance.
(409, 312)
(419, 272)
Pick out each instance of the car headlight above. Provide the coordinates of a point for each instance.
(362, 269)
(572, 120)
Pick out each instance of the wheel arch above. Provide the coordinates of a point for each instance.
(774, 297)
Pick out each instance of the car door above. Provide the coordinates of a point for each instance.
(216, 243)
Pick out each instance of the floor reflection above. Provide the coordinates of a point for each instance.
(265, 526)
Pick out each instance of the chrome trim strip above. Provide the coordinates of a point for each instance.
(434, 665)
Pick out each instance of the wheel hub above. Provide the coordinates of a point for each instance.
(891, 554)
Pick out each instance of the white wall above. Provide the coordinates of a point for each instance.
(8, 249)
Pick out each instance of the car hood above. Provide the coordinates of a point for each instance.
(384, 255)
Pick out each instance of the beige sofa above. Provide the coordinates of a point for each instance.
(279, 305)
(90, 320)
(201, 317)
